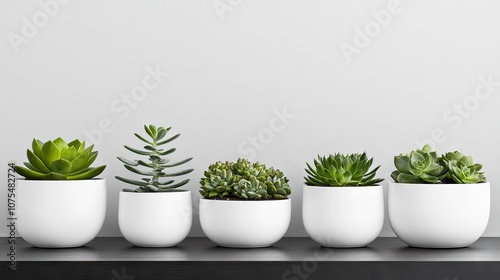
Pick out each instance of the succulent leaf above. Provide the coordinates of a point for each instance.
(155, 164)
(58, 160)
(341, 170)
(243, 180)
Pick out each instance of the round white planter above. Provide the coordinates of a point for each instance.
(245, 224)
(440, 215)
(60, 214)
(161, 219)
(343, 216)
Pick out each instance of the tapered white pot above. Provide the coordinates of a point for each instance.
(159, 219)
(343, 216)
(60, 214)
(439, 215)
(245, 224)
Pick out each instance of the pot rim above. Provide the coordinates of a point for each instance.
(344, 187)
(56, 181)
(246, 201)
(438, 185)
(155, 193)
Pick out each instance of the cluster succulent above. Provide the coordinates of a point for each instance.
(152, 169)
(243, 180)
(425, 167)
(462, 169)
(58, 160)
(342, 170)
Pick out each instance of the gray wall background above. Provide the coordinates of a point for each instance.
(274, 81)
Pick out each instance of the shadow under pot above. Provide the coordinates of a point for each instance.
(61, 213)
(439, 215)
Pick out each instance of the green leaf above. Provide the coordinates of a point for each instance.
(37, 162)
(61, 166)
(93, 172)
(139, 152)
(69, 154)
(36, 145)
(167, 152)
(50, 153)
(128, 162)
(60, 144)
(80, 161)
(168, 140)
(28, 174)
(133, 182)
(175, 164)
(137, 171)
(77, 144)
(55, 176)
(177, 173)
(143, 139)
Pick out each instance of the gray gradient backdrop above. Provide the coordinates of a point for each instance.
(276, 81)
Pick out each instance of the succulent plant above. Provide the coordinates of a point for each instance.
(58, 160)
(419, 166)
(462, 169)
(342, 170)
(155, 164)
(243, 180)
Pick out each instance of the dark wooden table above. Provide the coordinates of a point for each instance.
(290, 258)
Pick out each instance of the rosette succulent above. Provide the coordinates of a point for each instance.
(58, 160)
(342, 170)
(424, 166)
(243, 180)
(152, 169)
(419, 166)
(462, 169)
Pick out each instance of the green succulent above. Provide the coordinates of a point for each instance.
(253, 189)
(342, 170)
(153, 168)
(462, 169)
(419, 166)
(243, 180)
(58, 160)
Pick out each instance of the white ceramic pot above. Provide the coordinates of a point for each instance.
(245, 224)
(160, 219)
(439, 215)
(60, 214)
(343, 216)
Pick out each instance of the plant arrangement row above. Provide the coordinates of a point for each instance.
(434, 201)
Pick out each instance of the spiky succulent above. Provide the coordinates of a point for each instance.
(243, 180)
(342, 170)
(58, 160)
(419, 166)
(462, 169)
(156, 163)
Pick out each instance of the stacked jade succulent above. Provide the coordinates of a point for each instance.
(342, 170)
(243, 180)
(425, 167)
(152, 169)
(58, 160)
